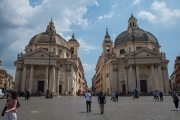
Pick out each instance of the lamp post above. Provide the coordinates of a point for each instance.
(135, 59)
(47, 93)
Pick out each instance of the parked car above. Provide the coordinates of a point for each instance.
(4, 94)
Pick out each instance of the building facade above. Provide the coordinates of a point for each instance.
(175, 76)
(6, 80)
(65, 73)
(134, 62)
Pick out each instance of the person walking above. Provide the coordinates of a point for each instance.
(88, 101)
(12, 105)
(102, 101)
(25, 95)
(154, 95)
(117, 95)
(175, 100)
(161, 95)
(132, 93)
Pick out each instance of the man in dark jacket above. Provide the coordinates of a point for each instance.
(117, 95)
(161, 95)
(102, 101)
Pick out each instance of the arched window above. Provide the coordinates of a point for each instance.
(72, 50)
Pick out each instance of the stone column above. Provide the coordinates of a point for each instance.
(68, 70)
(17, 80)
(138, 81)
(167, 80)
(53, 78)
(153, 78)
(34, 79)
(23, 79)
(31, 78)
(126, 80)
(46, 80)
(160, 77)
(58, 78)
(130, 78)
(115, 80)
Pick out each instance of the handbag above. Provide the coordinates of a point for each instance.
(5, 108)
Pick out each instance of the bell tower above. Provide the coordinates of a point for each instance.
(107, 46)
(73, 46)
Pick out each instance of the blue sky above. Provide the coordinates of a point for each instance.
(22, 19)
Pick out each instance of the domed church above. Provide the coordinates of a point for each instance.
(134, 62)
(50, 63)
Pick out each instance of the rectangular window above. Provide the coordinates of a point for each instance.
(60, 52)
(154, 49)
(67, 55)
(121, 51)
(138, 48)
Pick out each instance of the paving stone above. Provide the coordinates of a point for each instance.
(74, 108)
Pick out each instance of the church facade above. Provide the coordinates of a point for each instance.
(50, 63)
(134, 62)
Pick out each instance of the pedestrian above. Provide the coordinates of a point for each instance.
(102, 101)
(117, 95)
(157, 95)
(66, 93)
(12, 105)
(69, 93)
(25, 95)
(28, 94)
(39, 93)
(88, 101)
(161, 95)
(154, 95)
(132, 93)
(175, 100)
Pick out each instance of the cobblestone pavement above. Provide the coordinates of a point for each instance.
(73, 108)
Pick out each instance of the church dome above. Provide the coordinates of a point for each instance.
(73, 39)
(44, 37)
(140, 35)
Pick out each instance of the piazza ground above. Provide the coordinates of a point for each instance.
(73, 108)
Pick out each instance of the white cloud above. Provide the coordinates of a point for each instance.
(135, 2)
(115, 5)
(147, 15)
(108, 16)
(88, 67)
(85, 46)
(162, 14)
(20, 22)
(96, 3)
(114, 35)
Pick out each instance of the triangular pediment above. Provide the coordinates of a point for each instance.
(38, 53)
(145, 52)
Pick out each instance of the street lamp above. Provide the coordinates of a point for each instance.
(47, 93)
(133, 34)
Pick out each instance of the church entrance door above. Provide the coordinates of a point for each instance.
(143, 86)
(60, 89)
(124, 88)
(41, 86)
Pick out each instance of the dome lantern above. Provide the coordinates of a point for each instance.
(51, 27)
(132, 22)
